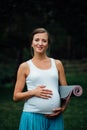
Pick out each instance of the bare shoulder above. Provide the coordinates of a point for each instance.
(59, 64)
(23, 68)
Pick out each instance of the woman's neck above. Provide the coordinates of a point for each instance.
(40, 57)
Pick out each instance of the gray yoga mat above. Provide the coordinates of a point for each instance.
(70, 90)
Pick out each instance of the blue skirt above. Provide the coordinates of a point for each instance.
(35, 121)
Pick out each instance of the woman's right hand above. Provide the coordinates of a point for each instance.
(42, 92)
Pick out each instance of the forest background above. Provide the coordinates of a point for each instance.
(67, 23)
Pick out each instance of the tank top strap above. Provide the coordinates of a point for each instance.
(53, 62)
(29, 63)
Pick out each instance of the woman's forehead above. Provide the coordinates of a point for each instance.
(45, 35)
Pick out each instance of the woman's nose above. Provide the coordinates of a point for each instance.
(40, 43)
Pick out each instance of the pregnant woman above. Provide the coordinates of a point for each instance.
(42, 75)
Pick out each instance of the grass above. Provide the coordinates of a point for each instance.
(9, 111)
(75, 116)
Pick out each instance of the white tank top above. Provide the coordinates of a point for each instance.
(47, 77)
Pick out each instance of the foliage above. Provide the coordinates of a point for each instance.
(63, 18)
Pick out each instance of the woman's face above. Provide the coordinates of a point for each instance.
(40, 42)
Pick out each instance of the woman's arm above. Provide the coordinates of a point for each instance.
(61, 72)
(62, 81)
(20, 83)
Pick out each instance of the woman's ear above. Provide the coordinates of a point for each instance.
(32, 51)
(31, 45)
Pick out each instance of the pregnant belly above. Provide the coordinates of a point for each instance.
(41, 105)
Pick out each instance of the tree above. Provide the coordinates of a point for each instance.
(17, 19)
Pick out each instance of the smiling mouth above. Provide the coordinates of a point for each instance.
(40, 48)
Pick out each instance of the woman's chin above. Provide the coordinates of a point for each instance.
(40, 51)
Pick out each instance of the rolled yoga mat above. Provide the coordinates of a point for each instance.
(68, 91)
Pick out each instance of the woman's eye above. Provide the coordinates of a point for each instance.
(44, 40)
(36, 40)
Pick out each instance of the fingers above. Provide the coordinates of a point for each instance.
(45, 96)
(53, 115)
(44, 88)
(45, 93)
(56, 111)
(42, 92)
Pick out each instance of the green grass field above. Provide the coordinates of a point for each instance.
(75, 116)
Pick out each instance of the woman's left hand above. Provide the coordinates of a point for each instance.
(56, 112)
